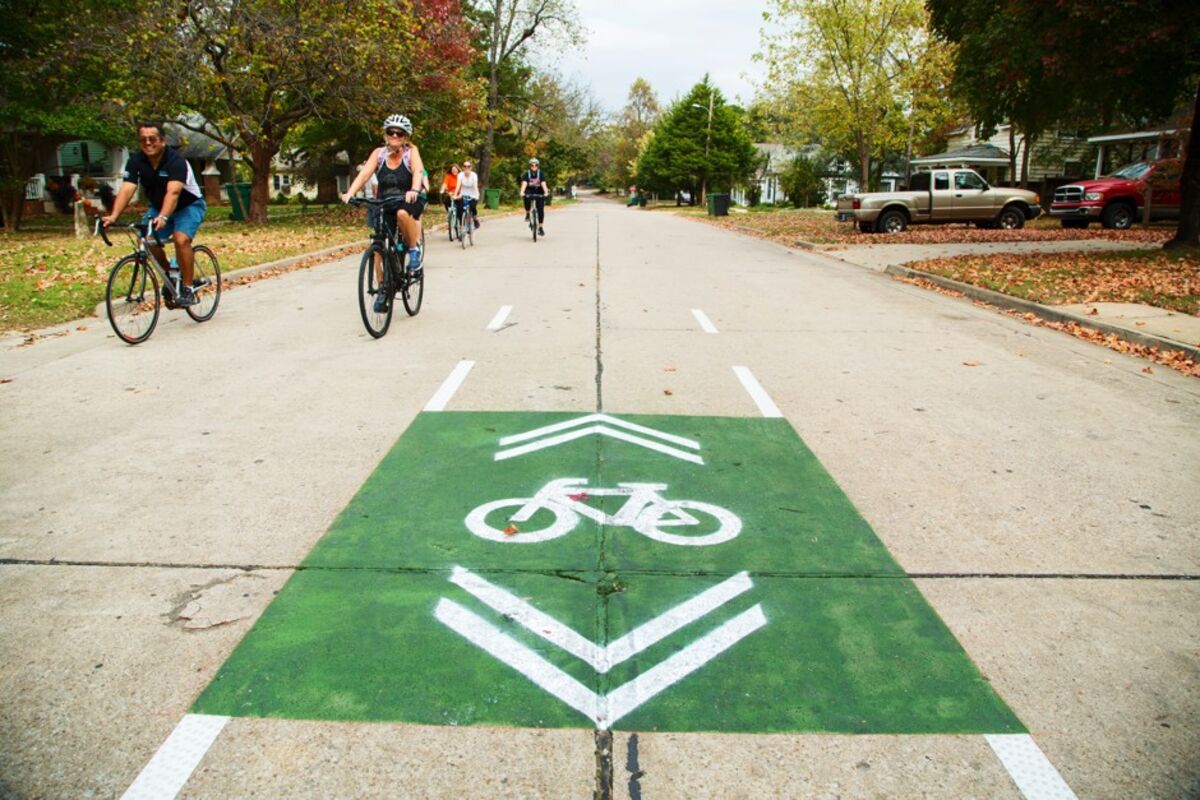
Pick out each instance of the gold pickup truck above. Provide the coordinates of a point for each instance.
(940, 196)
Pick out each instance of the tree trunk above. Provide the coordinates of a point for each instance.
(1026, 146)
(327, 192)
(864, 165)
(1012, 154)
(489, 139)
(1188, 232)
(261, 155)
(12, 208)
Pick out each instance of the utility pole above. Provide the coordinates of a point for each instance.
(707, 143)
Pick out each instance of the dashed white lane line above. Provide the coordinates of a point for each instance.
(449, 387)
(1027, 765)
(498, 320)
(757, 393)
(172, 765)
(705, 322)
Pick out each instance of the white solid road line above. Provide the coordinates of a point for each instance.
(498, 320)
(704, 321)
(449, 387)
(757, 393)
(172, 765)
(1027, 765)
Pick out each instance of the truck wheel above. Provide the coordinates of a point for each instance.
(866, 227)
(1075, 223)
(891, 222)
(1011, 219)
(1118, 215)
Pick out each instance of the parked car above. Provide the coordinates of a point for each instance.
(941, 196)
(1118, 200)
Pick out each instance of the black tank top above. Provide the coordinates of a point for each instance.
(393, 182)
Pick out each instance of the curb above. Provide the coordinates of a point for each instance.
(1046, 312)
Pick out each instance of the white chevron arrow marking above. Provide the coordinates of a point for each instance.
(602, 710)
(598, 424)
(602, 659)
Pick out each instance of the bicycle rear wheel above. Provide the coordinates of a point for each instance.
(449, 223)
(533, 220)
(370, 287)
(206, 283)
(132, 300)
(470, 225)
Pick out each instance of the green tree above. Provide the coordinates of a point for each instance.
(1070, 60)
(51, 86)
(802, 180)
(638, 116)
(508, 29)
(247, 72)
(697, 143)
(858, 76)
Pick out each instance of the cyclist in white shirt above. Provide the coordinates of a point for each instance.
(467, 192)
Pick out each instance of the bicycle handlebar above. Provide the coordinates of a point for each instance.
(100, 229)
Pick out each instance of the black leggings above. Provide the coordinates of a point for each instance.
(540, 199)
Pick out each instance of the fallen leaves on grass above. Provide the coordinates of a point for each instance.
(790, 227)
(1152, 277)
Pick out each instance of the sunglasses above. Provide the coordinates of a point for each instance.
(149, 139)
(396, 132)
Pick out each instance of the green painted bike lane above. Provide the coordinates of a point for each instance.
(733, 587)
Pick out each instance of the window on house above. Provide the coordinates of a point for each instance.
(275, 181)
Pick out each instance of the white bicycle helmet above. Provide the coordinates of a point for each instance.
(398, 121)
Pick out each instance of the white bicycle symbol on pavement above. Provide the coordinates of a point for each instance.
(646, 511)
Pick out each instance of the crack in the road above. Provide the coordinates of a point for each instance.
(580, 575)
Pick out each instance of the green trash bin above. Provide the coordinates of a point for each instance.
(239, 201)
(708, 203)
(491, 198)
(720, 205)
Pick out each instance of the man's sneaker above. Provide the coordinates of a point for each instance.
(186, 297)
(380, 302)
(541, 231)
(414, 259)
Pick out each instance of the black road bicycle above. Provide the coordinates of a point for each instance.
(139, 285)
(394, 277)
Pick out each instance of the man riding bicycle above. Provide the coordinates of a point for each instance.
(534, 190)
(177, 205)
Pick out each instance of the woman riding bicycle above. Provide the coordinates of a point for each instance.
(397, 166)
(468, 192)
(449, 187)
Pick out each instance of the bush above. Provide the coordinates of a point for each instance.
(803, 183)
(279, 199)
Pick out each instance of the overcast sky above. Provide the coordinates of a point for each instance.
(670, 43)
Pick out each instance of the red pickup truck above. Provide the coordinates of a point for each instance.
(1118, 200)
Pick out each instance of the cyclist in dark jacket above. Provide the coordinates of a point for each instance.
(534, 189)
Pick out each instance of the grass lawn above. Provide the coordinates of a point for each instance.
(1164, 279)
(48, 277)
(818, 226)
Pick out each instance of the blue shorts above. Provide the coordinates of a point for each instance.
(185, 220)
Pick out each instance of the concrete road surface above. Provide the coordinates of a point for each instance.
(893, 545)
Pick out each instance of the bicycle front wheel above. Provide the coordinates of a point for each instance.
(464, 227)
(449, 224)
(413, 292)
(132, 300)
(701, 524)
(206, 284)
(371, 287)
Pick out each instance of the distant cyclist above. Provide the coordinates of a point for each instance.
(534, 190)
(397, 166)
(177, 205)
(449, 189)
(468, 192)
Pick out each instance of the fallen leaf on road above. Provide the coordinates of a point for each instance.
(970, 363)
(6, 380)
(579, 498)
(81, 328)
(1148, 370)
(511, 529)
(667, 391)
(1093, 313)
(668, 369)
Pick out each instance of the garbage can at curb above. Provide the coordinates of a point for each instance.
(491, 198)
(239, 200)
(720, 205)
(708, 204)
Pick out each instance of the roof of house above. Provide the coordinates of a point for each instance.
(975, 154)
